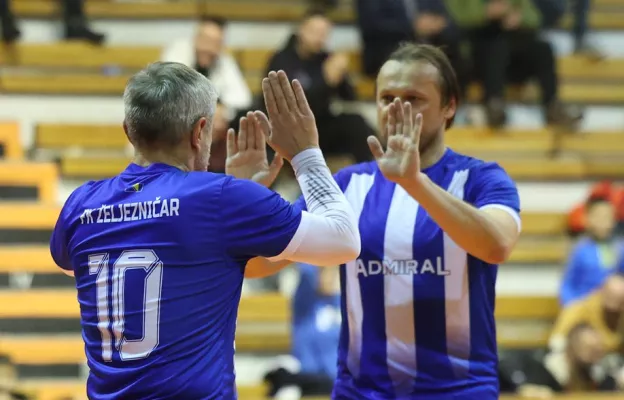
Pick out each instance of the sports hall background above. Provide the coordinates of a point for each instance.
(60, 124)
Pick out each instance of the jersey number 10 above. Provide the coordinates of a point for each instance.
(147, 261)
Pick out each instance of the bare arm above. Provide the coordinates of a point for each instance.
(488, 234)
(260, 267)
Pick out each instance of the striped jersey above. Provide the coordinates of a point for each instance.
(417, 310)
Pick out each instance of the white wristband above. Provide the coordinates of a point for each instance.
(314, 154)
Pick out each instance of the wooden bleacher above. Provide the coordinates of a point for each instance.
(103, 85)
(521, 169)
(78, 55)
(84, 56)
(10, 141)
(583, 80)
(236, 10)
(42, 176)
(530, 249)
(263, 320)
(464, 139)
(35, 349)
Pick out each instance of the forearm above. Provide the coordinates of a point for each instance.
(328, 233)
(260, 267)
(470, 228)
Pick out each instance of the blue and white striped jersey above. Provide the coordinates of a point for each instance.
(417, 310)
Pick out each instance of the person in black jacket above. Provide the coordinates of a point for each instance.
(385, 24)
(73, 16)
(324, 77)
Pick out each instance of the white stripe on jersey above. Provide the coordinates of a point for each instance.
(398, 292)
(356, 192)
(456, 289)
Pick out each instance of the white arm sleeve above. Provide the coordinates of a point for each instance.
(328, 234)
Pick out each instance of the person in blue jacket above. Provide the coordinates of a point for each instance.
(594, 257)
(316, 320)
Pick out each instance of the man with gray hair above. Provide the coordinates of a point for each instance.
(159, 252)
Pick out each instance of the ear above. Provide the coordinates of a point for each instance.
(198, 132)
(451, 109)
(125, 128)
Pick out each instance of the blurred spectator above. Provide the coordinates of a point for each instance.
(76, 26)
(384, 24)
(553, 10)
(581, 367)
(594, 257)
(602, 310)
(324, 76)
(315, 335)
(326, 4)
(316, 320)
(433, 24)
(506, 46)
(8, 380)
(577, 217)
(206, 53)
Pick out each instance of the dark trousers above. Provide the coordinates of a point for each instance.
(553, 10)
(580, 10)
(461, 64)
(376, 53)
(344, 134)
(73, 12)
(503, 57)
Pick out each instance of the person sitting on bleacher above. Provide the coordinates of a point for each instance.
(73, 15)
(582, 366)
(577, 217)
(507, 47)
(324, 76)
(385, 24)
(8, 380)
(603, 309)
(603, 312)
(584, 348)
(594, 257)
(206, 54)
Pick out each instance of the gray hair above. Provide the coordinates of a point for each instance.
(163, 102)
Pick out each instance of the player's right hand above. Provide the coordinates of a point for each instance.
(292, 127)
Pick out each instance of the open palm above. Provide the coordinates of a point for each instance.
(400, 162)
(247, 155)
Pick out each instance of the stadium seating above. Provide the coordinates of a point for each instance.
(40, 329)
(19, 179)
(10, 142)
(465, 139)
(235, 10)
(78, 55)
(108, 85)
(584, 80)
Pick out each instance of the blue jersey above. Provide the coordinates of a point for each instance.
(158, 256)
(417, 310)
(315, 325)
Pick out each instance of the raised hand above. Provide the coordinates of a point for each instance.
(247, 156)
(400, 162)
(292, 125)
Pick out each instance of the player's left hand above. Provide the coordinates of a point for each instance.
(247, 155)
(400, 162)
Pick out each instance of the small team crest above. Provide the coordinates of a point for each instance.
(136, 187)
